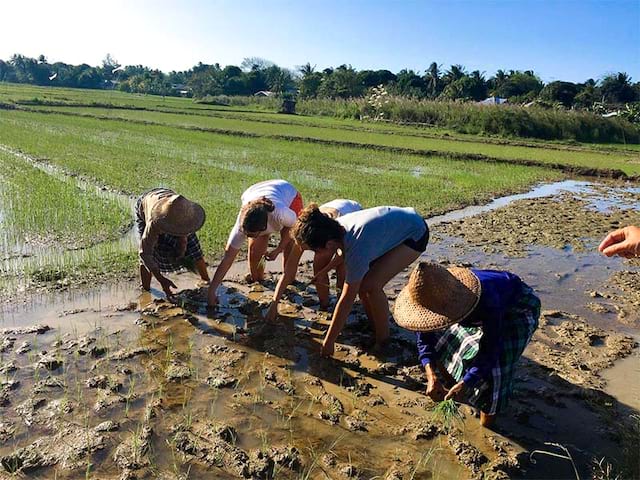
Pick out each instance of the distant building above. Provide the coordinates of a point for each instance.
(493, 101)
(182, 89)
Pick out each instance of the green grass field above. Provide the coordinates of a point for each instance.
(262, 127)
(130, 151)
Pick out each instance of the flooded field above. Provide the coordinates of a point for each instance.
(114, 383)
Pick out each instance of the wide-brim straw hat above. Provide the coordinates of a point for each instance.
(176, 215)
(436, 297)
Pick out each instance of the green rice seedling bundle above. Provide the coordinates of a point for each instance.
(447, 413)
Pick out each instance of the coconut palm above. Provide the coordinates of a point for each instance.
(306, 69)
(455, 72)
(432, 78)
(617, 88)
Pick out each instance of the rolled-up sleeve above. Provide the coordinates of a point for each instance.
(147, 244)
(426, 350)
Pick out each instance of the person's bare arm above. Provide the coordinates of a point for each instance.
(340, 314)
(225, 264)
(288, 276)
(285, 239)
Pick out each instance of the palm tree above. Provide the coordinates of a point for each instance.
(432, 78)
(306, 69)
(456, 72)
(616, 88)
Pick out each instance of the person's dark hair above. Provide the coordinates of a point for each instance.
(255, 215)
(315, 229)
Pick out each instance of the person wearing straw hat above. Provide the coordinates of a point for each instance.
(376, 244)
(267, 207)
(166, 223)
(472, 325)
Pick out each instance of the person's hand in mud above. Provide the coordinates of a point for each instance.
(456, 391)
(328, 348)
(435, 389)
(272, 313)
(166, 285)
(624, 242)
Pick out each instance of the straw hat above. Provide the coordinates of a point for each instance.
(176, 215)
(436, 297)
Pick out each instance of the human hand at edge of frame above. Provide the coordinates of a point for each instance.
(328, 348)
(272, 313)
(166, 285)
(624, 242)
(456, 391)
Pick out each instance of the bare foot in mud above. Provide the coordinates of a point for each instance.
(487, 420)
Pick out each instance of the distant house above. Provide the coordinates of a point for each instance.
(493, 101)
(263, 93)
(181, 89)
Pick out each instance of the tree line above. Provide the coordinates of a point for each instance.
(256, 74)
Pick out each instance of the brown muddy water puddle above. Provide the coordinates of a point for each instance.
(126, 385)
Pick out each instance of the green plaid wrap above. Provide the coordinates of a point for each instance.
(458, 345)
(165, 251)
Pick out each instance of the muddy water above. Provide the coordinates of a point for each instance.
(221, 394)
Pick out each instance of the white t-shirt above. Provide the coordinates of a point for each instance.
(342, 206)
(373, 232)
(281, 193)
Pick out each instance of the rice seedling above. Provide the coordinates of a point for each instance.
(424, 459)
(566, 456)
(129, 396)
(447, 413)
(328, 172)
(402, 138)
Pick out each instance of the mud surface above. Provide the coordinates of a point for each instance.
(127, 385)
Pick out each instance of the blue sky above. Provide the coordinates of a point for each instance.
(568, 40)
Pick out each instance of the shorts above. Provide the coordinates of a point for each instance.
(419, 245)
(296, 204)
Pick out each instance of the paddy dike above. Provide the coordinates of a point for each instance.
(135, 386)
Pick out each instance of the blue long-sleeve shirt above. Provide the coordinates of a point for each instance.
(498, 293)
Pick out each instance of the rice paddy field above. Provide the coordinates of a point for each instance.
(136, 386)
(213, 155)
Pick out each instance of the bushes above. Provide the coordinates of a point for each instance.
(506, 121)
(471, 118)
(263, 103)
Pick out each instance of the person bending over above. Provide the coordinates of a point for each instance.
(472, 326)
(267, 207)
(166, 223)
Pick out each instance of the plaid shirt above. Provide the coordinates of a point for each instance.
(498, 294)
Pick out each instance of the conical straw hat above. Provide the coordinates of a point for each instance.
(436, 297)
(177, 215)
